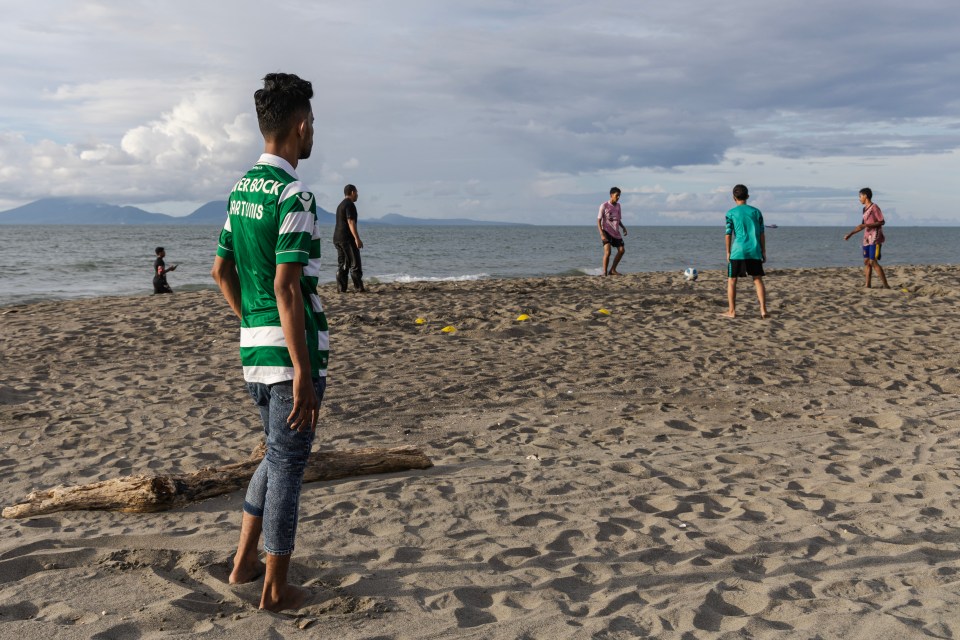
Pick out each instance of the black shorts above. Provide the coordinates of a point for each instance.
(160, 286)
(616, 243)
(744, 268)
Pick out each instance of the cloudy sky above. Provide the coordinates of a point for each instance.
(496, 110)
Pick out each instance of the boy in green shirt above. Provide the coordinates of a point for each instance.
(746, 250)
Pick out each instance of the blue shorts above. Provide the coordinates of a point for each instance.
(871, 252)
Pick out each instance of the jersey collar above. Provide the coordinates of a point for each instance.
(280, 163)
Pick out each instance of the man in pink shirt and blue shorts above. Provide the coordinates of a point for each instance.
(610, 224)
(872, 227)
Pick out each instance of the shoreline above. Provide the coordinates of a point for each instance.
(656, 471)
(119, 260)
(327, 288)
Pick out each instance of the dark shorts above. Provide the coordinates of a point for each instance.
(613, 242)
(744, 268)
(160, 286)
(871, 252)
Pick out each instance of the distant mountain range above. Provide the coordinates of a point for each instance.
(79, 211)
(397, 219)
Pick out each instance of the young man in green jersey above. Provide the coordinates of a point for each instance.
(267, 266)
(746, 250)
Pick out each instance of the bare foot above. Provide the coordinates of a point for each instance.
(290, 598)
(249, 572)
(764, 316)
(615, 273)
(729, 314)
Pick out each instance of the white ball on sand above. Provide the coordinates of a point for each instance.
(690, 274)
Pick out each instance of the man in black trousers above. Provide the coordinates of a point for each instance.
(346, 239)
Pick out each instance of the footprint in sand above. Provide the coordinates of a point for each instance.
(24, 610)
(737, 459)
(534, 519)
(629, 598)
(473, 613)
(614, 530)
(568, 542)
(511, 559)
(797, 590)
(680, 425)
(737, 600)
(631, 469)
(509, 604)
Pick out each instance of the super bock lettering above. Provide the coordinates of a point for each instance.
(268, 187)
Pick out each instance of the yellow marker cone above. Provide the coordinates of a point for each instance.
(522, 317)
(421, 321)
(449, 329)
(603, 311)
(905, 290)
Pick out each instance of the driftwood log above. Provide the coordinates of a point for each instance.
(146, 494)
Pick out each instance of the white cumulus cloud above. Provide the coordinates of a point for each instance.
(194, 151)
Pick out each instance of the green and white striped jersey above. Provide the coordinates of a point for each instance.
(271, 220)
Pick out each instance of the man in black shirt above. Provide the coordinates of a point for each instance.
(346, 239)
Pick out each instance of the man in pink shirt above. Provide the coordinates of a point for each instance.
(872, 227)
(610, 224)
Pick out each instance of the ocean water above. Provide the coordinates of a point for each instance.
(58, 262)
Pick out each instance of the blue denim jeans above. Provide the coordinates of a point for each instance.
(274, 490)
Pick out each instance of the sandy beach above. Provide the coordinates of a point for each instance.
(656, 471)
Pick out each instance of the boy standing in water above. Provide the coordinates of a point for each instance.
(746, 249)
(160, 272)
(872, 227)
(609, 223)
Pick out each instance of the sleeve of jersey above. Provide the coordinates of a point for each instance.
(760, 220)
(729, 226)
(225, 243)
(298, 213)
